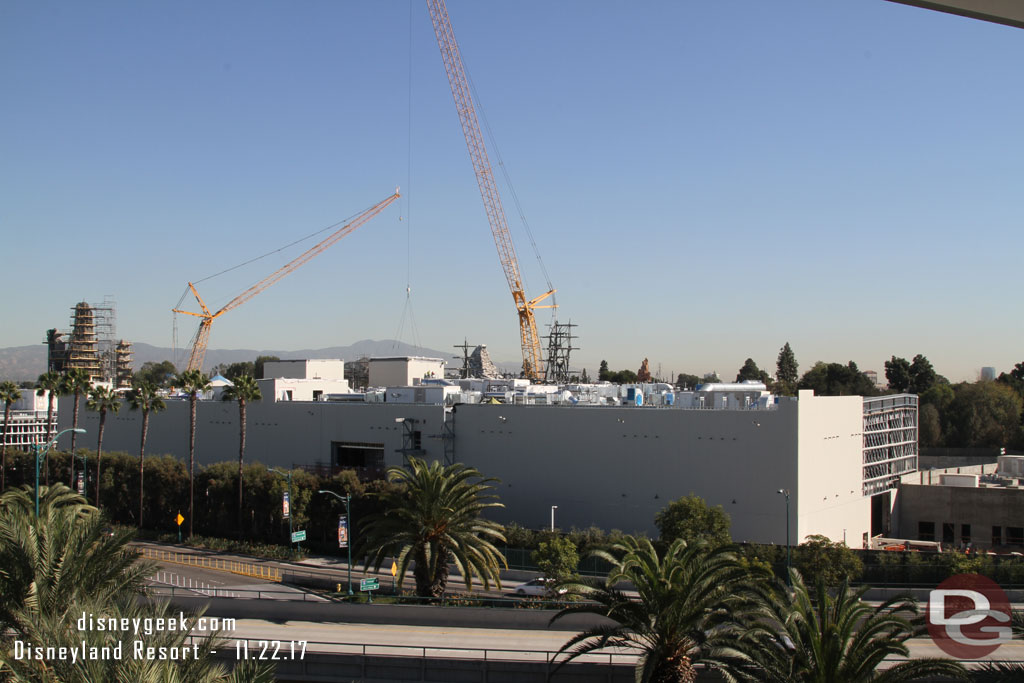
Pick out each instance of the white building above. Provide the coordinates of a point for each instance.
(303, 380)
(603, 460)
(404, 371)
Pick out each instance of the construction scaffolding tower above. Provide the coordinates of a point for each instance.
(123, 363)
(557, 369)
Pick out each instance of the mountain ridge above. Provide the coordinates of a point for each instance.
(26, 363)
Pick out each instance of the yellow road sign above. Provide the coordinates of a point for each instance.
(394, 569)
(179, 519)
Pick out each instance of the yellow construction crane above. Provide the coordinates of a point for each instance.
(533, 362)
(195, 361)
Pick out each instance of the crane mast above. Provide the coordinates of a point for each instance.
(206, 317)
(533, 363)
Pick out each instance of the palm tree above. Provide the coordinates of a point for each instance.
(822, 635)
(9, 394)
(65, 563)
(63, 556)
(192, 382)
(50, 385)
(243, 390)
(144, 397)
(76, 382)
(435, 520)
(102, 400)
(692, 602)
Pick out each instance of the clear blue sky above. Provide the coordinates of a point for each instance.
(705, 180)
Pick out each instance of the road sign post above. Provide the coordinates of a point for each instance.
(298, 536)
(179, 519)
(368, 586)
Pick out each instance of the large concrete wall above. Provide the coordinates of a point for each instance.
(617, 467)
(613, 467)
(981, 508)
(278, 434)
(830, 469)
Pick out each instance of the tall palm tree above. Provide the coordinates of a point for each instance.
(244, 389)
(50, 385)
(145, 397)
(64, 563)
(192, 382)
(823, 635)
(76, 382)
(102, 400)
(435, 519)
(692, 601)
(9, 394)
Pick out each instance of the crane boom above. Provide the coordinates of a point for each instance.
(533, 363)
(195, 361)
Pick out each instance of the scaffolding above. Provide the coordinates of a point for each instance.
(123, 363)
(91, 345)
(557, 369)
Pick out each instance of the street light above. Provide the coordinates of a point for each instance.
(288, 476)
(45, 447)
(789, 581)
(348, 511)
(553, 508)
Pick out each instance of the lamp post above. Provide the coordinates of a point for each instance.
(553, 508)
(287, 475)
(45, 447)
(348, 511)
(789, 581)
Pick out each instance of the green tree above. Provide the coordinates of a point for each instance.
(922, 375)
(930, 426)
(984, 414)
(710, 378)
(690, 603)
(260, 362)
(161, 374)
(49, 384)
(243, 390)
(835, 636)
(829, 561)
(65, 563)
(62, 557)
(897, 372)
(9, 394)
(752, 372)
(836, 379)
(693, 520)
(602, 372)
(622, 377)
(684, 381)
(77, 383)
(193, 383)
(101, 400)
(786, 369)
(145, 397)
(233, 371)
(435, 519)
(557, 559)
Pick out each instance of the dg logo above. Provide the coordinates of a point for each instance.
(968, 616)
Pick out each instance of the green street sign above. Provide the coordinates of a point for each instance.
(298, 536)
(369, 584)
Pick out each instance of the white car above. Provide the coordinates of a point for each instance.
(536, 587)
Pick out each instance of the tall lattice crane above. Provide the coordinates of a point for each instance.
(206, 318)
(533, 362)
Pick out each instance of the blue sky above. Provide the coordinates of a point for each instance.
(705, 180)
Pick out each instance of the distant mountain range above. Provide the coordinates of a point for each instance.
(22, 363)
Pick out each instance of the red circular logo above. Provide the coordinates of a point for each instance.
(968, 616)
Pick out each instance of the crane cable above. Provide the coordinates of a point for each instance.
(508, 183)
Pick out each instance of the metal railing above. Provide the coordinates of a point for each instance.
(217, 564)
